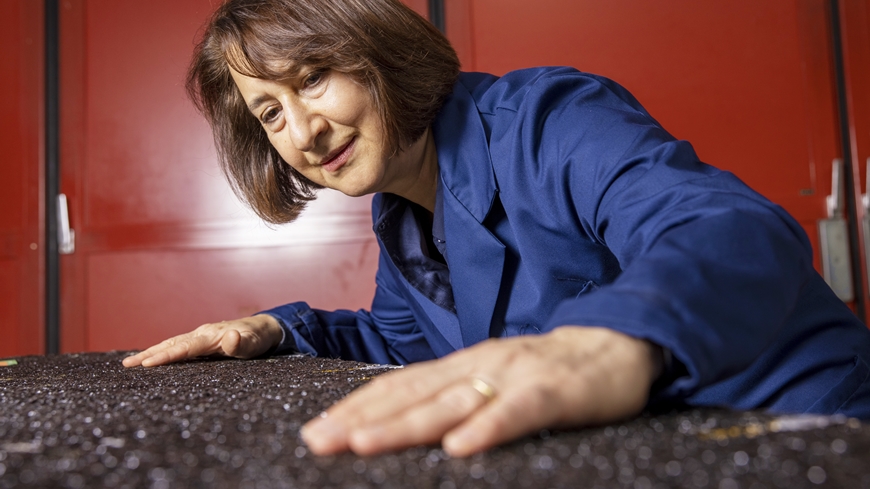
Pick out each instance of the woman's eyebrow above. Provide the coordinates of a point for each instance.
(258, 101)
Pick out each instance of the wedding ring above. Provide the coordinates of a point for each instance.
(485, 389)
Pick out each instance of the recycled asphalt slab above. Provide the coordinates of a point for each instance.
(82, 420)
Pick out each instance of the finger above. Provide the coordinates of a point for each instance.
(325, 436)
(422, 424)
(397, 391)
(137, 359)
(189, 346)
(375, 403)
(379, 400)
(132, 360)
(508, 416)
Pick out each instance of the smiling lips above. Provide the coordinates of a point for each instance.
(335, 161)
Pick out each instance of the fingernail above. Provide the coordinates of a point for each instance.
(460, 443)
(367, 440)
(368, 434)
(321, 431)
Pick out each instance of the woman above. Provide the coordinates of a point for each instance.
(564, 259)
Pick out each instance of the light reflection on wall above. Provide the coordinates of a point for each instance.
(331, 218)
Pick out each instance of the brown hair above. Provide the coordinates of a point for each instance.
(405, 63)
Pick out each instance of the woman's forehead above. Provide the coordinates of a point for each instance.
(274, 67)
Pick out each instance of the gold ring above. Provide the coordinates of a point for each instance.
(485, 389)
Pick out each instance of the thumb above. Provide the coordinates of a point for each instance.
(231, 343)
(242, 344)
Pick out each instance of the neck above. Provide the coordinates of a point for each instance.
(423, 183)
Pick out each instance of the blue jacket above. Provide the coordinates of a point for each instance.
(563, 202)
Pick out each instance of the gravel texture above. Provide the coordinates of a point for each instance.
(82, 420)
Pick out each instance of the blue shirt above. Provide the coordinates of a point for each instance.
(405, 239)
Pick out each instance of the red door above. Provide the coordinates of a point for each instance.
(855, 36)
(750, 84)
(162, 245)
(21, 163)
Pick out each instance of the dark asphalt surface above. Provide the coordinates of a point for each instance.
(82, 420)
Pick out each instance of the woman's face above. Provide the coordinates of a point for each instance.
(325, 125)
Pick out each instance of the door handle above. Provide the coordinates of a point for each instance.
(66, 236)
(865, 203)
(834, 239)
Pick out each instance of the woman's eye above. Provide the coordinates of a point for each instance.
(314, 78)
(269, 116)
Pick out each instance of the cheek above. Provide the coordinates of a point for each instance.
(354, 109)
(287, 152)
(297, 164)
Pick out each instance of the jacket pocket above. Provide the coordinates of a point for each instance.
(582, 285)
(836, 400)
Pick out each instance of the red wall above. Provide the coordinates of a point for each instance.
(855, 26)
(21, 122)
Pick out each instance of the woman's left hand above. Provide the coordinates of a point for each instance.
(494, 392)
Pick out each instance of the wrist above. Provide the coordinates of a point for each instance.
(621, 369)
(273, 332)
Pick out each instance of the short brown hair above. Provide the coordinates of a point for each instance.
(406, 64)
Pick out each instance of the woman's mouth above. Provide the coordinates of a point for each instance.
(336, 160)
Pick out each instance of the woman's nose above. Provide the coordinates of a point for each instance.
(304, 126)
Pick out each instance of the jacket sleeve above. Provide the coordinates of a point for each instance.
(388, 334)
(711, 270)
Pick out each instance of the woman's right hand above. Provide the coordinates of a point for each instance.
(240, 338)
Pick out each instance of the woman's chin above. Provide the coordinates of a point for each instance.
(355, 190)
